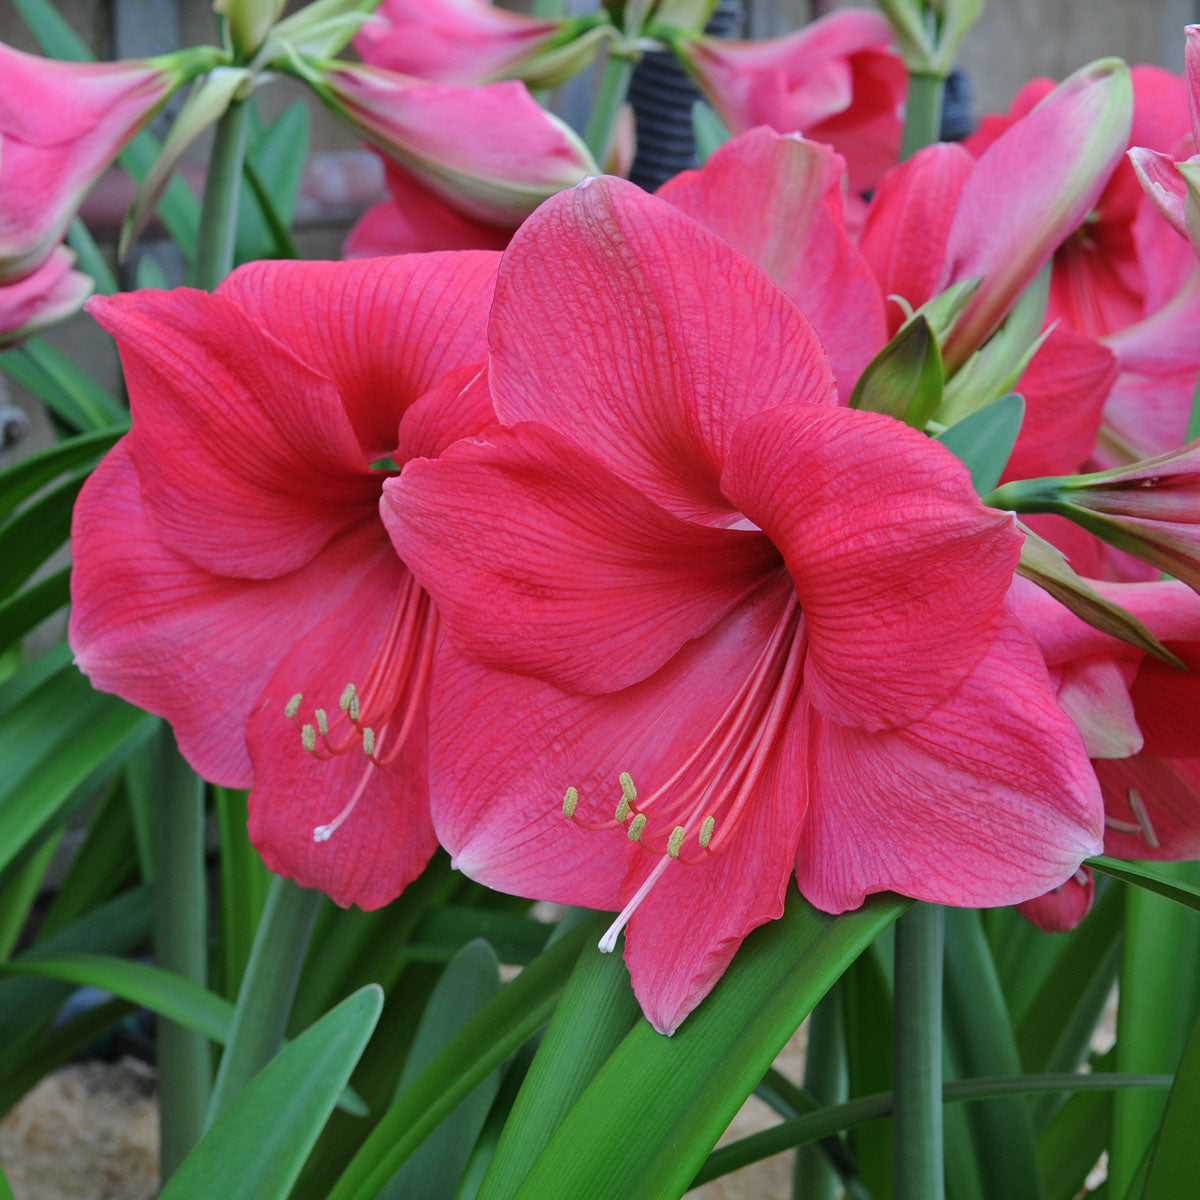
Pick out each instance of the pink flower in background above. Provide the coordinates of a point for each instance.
(1136, 714)
(838, 81)
(47, 296)
(231, 570)
(491, 153)
(61, 125)
(707, 629)
(472, 41)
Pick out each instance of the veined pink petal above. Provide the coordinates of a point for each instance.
(1065, 387)
(1153, 806)
(909, 221)
(1064, 907)
(182, 642)
(888, 547)
(669, 327)
(1094, 693)
(988, 800)
(415, 219)
(378, 636)
(459, 405)
(382, 330)
(608, 586)
(778, 200)
(272, 469)
(49, 295)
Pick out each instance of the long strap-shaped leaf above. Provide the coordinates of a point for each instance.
(645, 1124)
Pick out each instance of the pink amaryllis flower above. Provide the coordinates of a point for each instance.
(836, 81)
(231, 571)
(49, 295)
(473, 41)
(707, 629)
(61, 124)
(1136, 716)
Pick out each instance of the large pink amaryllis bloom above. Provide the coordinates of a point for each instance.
(707, 629)
(836, 81)
(61, 124)
(231, 570)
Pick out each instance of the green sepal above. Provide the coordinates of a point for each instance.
(904, 380)
(710, 132)
(985, 439)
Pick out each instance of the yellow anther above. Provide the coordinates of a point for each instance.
(636, 826)
(623, 810)
(308, 737)
(322, 721)
(354, 709)
(347, 696)
(368, 741)
(627, 788)
(706, 832)
(569, 801)
(293, 706)
(675, 841)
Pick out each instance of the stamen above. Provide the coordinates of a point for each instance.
(609, 941)
(570, 800)
(623, 810)
(347, 696)
(354, 709)
(368, 741)
(322, 833)
(1143, 820)
(627, 788)
(322, 722)
(706, 831)
(636, 826)
(293, 706)
(308, 738)
(675, 843)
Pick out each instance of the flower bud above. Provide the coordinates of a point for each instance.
(249, 21)
(49, 295)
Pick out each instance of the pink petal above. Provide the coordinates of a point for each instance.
(1162, 184)
(1094, 693)
(459, 405)
(988, 800)
(49, 295)
(900, 570)
(909, 221)
(1191, 55)
(246, 459)
(416, 219)
(169, 636)
(778, 200)
(1063, 908)
(1065, 387)
(1168, 790)
(382, 330)
(542, 562)
(387, 837)
(673, 340)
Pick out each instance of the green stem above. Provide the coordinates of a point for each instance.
(181, 942)
(614, 84)
(268, 988)
(825, 1077)
(917, 1132)
(922, 113)
(222, 187)
(1193, 427)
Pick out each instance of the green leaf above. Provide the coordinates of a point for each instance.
(5, 1190)
(1153, 878)
(31, 606)
(91, 261)
(444, 930)
(73, 394)
(646, 1122)
(1175, 1163)
(984, 440)
(19, 891)
(710, 132)
(36, 532)
(486, 1041)
(904, 380)
(470, 980)
(595, 1013)
(274, 169)
(245, 882)
(163, 992)
(51, 743)
(1071, 1143)
(256, 1149)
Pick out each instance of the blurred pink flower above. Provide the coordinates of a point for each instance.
(50, 294)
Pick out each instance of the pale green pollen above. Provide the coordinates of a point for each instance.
(347, 696)
(706, 831)
(636, 826)
(569, 801)
(354, 709)
(627, 788)
(368, 741)
(308, 738)
(293, 706)
(322, 721)
(623, 810)
(675, 841)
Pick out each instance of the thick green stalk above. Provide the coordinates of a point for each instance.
(268, 988)
(825, 1077)
(614, 84)
(922, 113)
(222, 187)
(917, 1083)
(181, 946)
